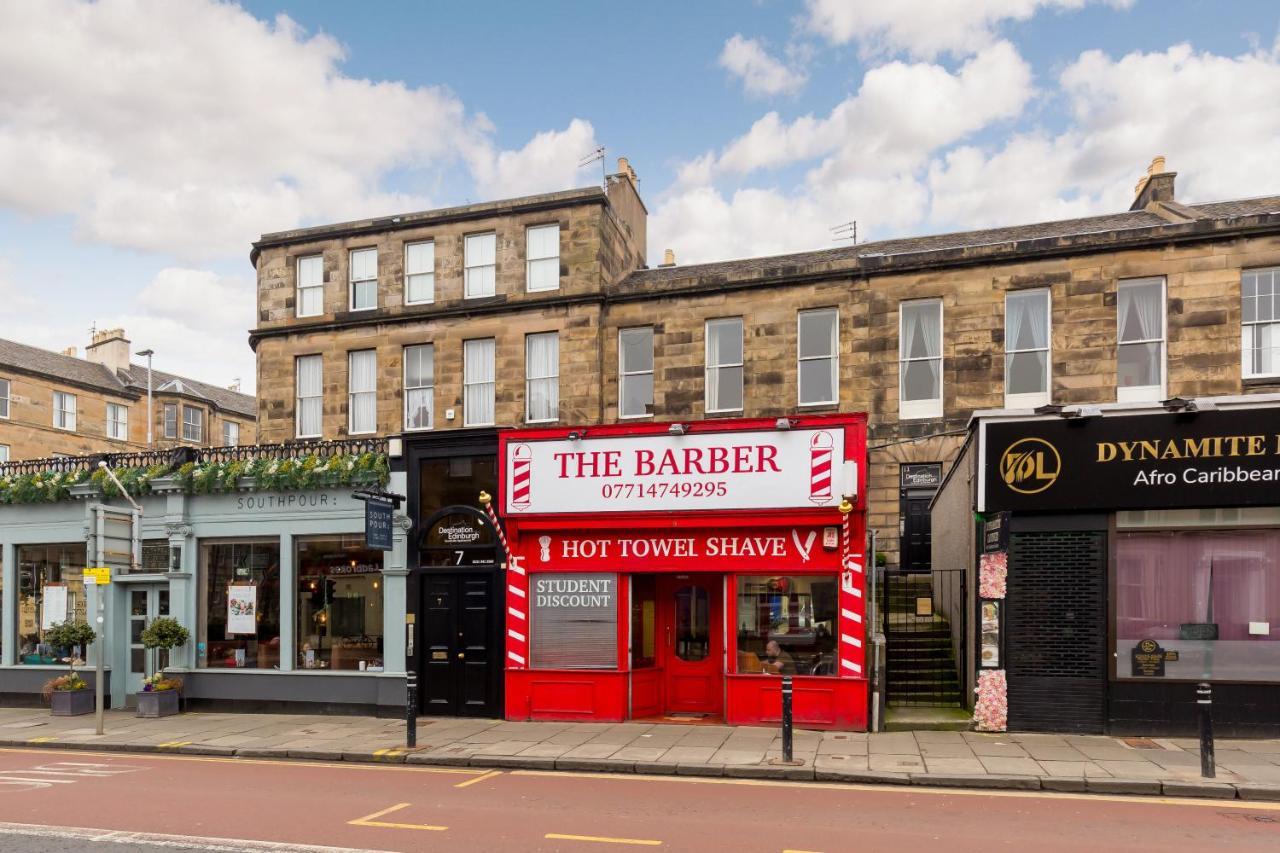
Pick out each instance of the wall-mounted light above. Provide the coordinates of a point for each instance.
(175, 558)
(395, 447)
(677, 429)
(785, 423)
(577, 435)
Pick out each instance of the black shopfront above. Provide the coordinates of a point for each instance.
(1143, 557)
(455, 590)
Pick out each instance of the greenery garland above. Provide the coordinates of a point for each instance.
(305, 471)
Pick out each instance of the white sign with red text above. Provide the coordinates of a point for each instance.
(783, 469)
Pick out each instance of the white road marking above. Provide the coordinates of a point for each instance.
(156, 839)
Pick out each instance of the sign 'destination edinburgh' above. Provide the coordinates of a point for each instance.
(1206, 459)
(709, 471)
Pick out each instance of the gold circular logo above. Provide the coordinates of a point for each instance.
(1030, 465)
(1148, 646)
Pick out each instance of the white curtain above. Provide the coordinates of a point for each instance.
(420, 272)
(363, 381)
(310, 395)
(922, 333)
(419, 379)
(1141, 310)
(542, 372)
(478, 379)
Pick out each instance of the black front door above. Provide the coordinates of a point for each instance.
(461, 661)
(917, 535)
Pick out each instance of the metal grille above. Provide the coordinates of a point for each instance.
(201, 456)
(1056, 631)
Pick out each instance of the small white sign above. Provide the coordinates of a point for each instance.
(55, 606)
(1259, 629)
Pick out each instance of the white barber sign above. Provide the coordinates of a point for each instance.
(798, 468)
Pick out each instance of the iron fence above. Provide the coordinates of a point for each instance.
(924, 625)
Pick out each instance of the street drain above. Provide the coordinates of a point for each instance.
(1252, 818)
(1142, 743)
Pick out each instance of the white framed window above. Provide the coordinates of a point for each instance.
(192, 424)
(635, 372)
(920, 359)
(230, 434)
(362, 392)
(818, 357)
(1140, 353)
(309, 384)
(480, 253)
(310, 296)
(170, 420)
(419, 386)
(419, 273)
(724, 365)
(364, 279)
(543, 253)
(4, 399)
(541, 377)
(1027, 354)
(478, 386)
(64, 410)
(1259, 323)
(4, 453)
(117, 421)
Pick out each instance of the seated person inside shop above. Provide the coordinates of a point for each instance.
(777, 661)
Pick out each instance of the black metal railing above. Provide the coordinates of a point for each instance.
(284, 450)
(923, 617)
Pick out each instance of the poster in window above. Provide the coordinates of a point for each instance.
(55, 606)
(242, 609)
(990, 634)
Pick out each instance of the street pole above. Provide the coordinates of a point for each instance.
(1204, 703)
(788, 754)
(100, 668)
(150, 418)
(411, 710)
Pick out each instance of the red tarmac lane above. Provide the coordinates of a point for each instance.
(409, 808)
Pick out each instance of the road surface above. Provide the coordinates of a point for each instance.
(53, 801)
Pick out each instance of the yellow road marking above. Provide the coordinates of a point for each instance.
(369, 820)
(600, 839)
(399, 768)
(174, 744)
(45, 739)
(799, 851)
(1248, 805)
(489, 775)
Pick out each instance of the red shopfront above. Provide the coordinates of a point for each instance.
(674, 571)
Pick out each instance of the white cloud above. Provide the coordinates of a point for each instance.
(760, 73)
(548, 162)
(925, 28)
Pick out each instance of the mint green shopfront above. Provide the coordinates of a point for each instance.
(327, 629)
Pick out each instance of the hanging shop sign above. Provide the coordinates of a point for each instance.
(1203, 459)
(777, 469)
(741, 549)
(377, 524)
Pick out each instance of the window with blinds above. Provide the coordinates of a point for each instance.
(574, 621)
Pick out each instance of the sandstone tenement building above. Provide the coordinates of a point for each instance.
(540, 310)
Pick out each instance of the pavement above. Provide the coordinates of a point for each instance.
(1246, 769)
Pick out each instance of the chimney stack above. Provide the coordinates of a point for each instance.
(624, 169)
(1155, 186)
(109, 348)
(71, 351)
(668, 258)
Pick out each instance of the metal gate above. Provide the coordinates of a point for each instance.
(1056, 631)
(924, 625)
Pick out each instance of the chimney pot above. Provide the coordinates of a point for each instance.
(1157, 164)
(71, 351)
(1157, 185)
(669, 258)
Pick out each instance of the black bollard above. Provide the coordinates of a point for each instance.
(411, 710)
(1204, 703)
(786, 720)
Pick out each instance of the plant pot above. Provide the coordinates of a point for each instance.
(157, 703)
(72, 703)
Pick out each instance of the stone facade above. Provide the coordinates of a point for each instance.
(1199, 252)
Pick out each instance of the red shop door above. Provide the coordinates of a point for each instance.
(693, 643)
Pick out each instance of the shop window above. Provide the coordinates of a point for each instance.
(724, 365)
(339, 610)
(786, 625)
(1260, 322)
(574, 621)
(240, 604)
(643, 620)
(920, 359)
(1140, 354)
(635, 372)
(1212, 598)
(817, 352)
(50, 591)
(1026, 349)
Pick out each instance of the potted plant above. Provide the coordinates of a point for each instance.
(68, 695)
(159, 696)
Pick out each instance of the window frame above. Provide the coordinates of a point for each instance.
(708, 367)
(529, 259)
(226, 426)
(834, 357)
(298, 398)
(4, 453)
(123, 421)
(933, 407)
(467, 267)
(408, 274)
(1030, 400)
(164, 420)
(529, 379)
(405, 388)
(352, 281)
(6, 398)
(1145, 393)
(1246, 366)
(623, 373)
(60, 412)
(352, 393)
(199, 422)
(299, 287)
(493, 383)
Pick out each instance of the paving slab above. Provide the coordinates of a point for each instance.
(1122, 786)
(1133, 769)
(959, 749)
(959, 766)
(842, 763)
(893, 743)
(638, 753)
(1053, 753)
(896, 763)
(1072, 768)
(1011, 766)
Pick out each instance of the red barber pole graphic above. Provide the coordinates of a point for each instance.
(517, 614)
(521, 461)
(852, 603)
(820, 462)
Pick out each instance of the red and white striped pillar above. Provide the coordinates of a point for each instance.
(852, 602)
(517, 595)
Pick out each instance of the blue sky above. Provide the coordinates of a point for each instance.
(146, 143)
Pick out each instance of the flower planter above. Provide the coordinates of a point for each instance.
(71, 703)
(157, 703)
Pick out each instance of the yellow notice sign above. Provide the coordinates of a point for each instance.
(99, 576)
